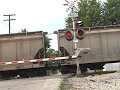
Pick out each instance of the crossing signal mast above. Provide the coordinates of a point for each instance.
(77, 33)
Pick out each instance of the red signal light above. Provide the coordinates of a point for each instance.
(69, 35)
(80, 34)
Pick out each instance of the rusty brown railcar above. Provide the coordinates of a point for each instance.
(104, 42)
(21, 46)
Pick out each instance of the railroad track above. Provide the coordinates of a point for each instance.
(65, 75)
(92, 74)
(106, 80)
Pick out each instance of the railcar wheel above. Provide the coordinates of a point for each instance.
(64, 70)
(83, 68)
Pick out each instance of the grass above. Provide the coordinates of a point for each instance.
(62, 85)
(65, 85)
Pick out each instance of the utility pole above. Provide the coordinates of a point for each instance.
(73, 14)
(9, 19)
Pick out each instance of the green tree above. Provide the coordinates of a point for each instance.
(95, 13)
(90, 13)
(68, 23)
(47, 42)
(111, 12)
(51, 53)
(24, 30)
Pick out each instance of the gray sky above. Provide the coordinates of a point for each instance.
(34, 15)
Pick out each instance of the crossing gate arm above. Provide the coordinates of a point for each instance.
(82, 51)
(79, 52)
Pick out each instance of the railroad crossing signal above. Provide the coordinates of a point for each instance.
(71, 5)
(72, 8)
(73, 15)
(80, 34)
(69, 35)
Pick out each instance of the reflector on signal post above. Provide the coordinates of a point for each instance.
(69, 35)
(80, 34)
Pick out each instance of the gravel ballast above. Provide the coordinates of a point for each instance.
(109, 81)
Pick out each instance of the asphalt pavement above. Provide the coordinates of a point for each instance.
(36, 83)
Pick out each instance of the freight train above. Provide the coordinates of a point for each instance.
(15, 52)
(104, 42)
(23, 53)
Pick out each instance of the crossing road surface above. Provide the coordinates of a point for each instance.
(37, 83)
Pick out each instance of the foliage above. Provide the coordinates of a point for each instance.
(89, 12)
(52, 53)
(112, 12)
(47, 42)
(68, 22)
(24, 30)
(62, 85)
(65, 85)
(98, 70)
(96, 13)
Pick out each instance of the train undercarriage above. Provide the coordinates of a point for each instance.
(43, 71)
(83, 67)
(23, 73)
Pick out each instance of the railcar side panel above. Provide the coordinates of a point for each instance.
(8, 50)
(20, 47)
(104, 44)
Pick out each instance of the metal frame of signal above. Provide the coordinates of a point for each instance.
(75, 40)
(78, 71)
(76, 33)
